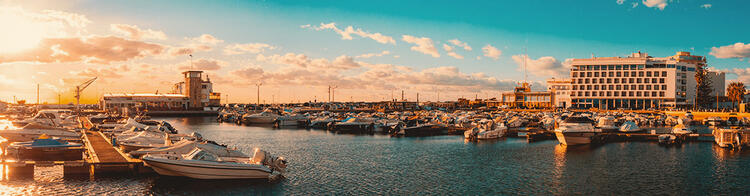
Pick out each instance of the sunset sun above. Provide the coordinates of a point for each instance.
(20, 33)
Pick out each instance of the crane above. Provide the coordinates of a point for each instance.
(80, 88)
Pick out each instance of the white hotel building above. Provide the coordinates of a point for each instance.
(638, 81)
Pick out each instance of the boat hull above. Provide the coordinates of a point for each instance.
(200, 171)
(574, 138)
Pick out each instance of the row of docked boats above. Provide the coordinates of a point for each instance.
(172, 153)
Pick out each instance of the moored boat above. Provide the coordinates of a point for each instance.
(200, 164)
(576, 130)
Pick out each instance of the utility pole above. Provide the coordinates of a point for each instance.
(333, 93)
(402, 95)
(417, 98)
(258, 94)
(329, 93)
(59, 101)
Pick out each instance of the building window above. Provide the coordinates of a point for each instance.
(661, 80)
(619, 74)
(648, 87)
(663, 87)
(611, 74)
(588, 74)
(587, 94)
(596, 87)
(640, 74)
(617, 80)
(664, 74)
(625, 87)
(639, 80)
(617, 93)
(625, 74)
(648, 74)
(640, 87)
(653, 80)
(203, 86)
(638, 94)
(630, 93)
(596, 74)
(601, 80)
(661, 94)
(653, 94)
(619, 87)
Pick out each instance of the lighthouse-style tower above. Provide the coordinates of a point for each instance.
(193, 82)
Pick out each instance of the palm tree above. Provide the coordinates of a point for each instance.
(735, 91)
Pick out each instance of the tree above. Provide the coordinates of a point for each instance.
(703, 91)
(735, 91)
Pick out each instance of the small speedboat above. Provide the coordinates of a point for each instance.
(185, 146)
(201, 164)
(668, 139)
(629, 127)
(576, 130)
(34, 130)
(45, 148)
(265, 117)
(607, 124)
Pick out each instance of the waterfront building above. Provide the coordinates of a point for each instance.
(637, 81)
(718, 83)
(560, 88)
(523, 97)
(199, 91)
(145, 101)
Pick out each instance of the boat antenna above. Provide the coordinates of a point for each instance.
(191, 62)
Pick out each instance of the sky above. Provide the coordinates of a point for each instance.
(368, 51)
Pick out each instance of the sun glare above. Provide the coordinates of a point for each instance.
(19, 33)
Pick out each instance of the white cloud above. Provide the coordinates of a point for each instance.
(737, 50)
(207, 39)
(422, 44)
(635, 4)
(620, 2)
(660, 4)
(246, 48)
(743, 74)
(136, 33)
(707, 5)
(301, 60)
(347, 33)
(370, 55)
(544, 66)
(186, 50)
(449, 50)
(491, 51)
(458, 43)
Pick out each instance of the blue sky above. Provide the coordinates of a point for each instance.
(549, 31)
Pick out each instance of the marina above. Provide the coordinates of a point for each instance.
(554, 167)
(642, 97)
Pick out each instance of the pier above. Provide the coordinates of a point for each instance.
(100, 158)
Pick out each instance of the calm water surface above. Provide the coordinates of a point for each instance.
(327, 163)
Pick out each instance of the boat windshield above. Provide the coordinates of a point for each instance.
(198, 154)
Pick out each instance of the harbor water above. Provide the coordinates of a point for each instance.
(322, 162)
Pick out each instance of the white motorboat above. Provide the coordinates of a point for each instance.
(185, 146)
(576, 130)
(34, 130)
(607, 123)
(291, 120)
(486, 130)
(684, 126)
(629, 127)
(201, 164)
(55, 118)
(734, 138)
(667, 139)
(265, 117)
(713, 121)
